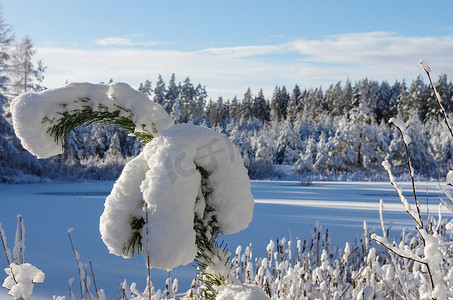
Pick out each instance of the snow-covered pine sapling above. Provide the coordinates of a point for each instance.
(171, 202)
(432, 257)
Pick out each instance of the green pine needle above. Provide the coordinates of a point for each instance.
(62, 126)
(135, 242)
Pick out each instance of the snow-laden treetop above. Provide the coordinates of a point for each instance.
(187, 185)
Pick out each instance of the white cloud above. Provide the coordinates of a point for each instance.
(229, 71)
(245, 51)
(121, 41)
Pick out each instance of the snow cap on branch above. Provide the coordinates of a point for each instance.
(34, 114)
(21, 278)
(398, 123)
(425, 66)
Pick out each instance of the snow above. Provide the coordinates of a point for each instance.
(34, 113)
(241, 292)
(449, 178)
(21, 278)
(398, 123)
(425, 66)
(165, 177)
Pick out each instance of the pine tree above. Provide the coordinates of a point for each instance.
(160, 91)
(404, 106)
(146, 88)
(383, 109)
(335, 101)
(233, 111)
(171, 96)
(279, 104)
(6, 39)
(291, 109)
(417, 100)
(260, 108)
(187, 95)
(199, 105)
(246, 106)
(24, 76)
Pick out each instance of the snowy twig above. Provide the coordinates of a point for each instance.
(81, 272)
(403, 199)
(404, 137)
(427, 70)
(7, 251)
(19, 244)
(94, 280)
(147, 257)
(405, 254)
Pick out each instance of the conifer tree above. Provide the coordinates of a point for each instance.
(25, 77)
(146, 88)
(234, 111)
(260, 108)
(160, 91)
(6, 39)
(172, 95)
(291, 109)
(246, 105)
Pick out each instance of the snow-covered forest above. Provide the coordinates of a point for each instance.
(341, 129)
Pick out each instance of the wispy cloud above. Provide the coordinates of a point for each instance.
(122, 41)
(229, 71)
(245, 51)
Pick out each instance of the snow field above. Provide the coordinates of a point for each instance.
(282, 209)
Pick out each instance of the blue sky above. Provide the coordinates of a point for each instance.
(231, 45)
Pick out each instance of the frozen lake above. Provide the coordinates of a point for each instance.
(282, 209)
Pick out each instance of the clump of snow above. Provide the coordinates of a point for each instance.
(218, 265)
(240, 292)
(21, 278)
(425, 66)
(449, 226)
(449, 178)
(398, 123)
(161, 185)
(34, 113)
(367, 293)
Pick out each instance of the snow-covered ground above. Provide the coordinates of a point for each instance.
(282, 209)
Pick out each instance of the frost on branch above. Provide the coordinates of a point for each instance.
(187, 185)
(21, 278)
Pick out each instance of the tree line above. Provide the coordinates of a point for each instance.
(339, 130)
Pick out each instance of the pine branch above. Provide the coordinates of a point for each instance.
(86, 115)
(134, 244)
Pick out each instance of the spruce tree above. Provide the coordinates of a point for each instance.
(25, 77)
(6, 39)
